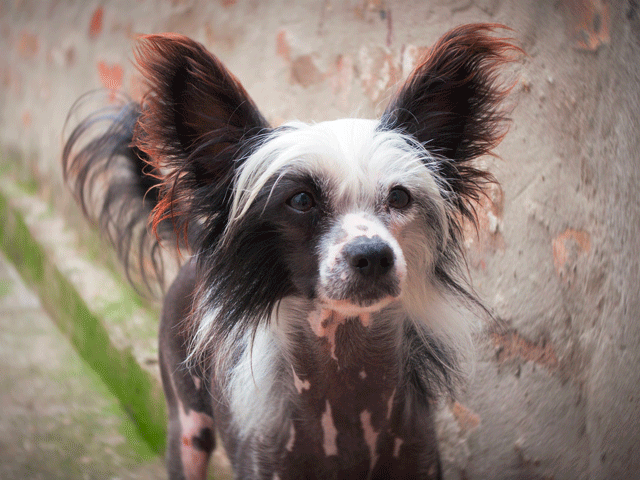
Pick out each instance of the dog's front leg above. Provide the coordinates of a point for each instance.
(191, 435)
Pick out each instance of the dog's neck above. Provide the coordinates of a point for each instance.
(339, 342)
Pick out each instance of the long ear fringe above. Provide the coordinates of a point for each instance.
(114, 186)
(453, 103)
(195, 118)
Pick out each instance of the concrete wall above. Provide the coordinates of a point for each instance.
(555, 392)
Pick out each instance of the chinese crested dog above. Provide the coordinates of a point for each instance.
(321, 310)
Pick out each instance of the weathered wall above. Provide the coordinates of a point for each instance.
(555, 392)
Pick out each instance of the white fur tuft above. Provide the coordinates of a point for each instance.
(352, 155)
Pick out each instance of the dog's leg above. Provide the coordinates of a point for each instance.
(191, 435)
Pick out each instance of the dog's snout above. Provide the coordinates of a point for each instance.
(370, 257)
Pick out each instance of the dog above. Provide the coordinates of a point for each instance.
(323, 308)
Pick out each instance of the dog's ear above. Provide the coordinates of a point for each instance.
(196, 120)
(451, 104)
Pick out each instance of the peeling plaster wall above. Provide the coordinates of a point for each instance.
(555, 392)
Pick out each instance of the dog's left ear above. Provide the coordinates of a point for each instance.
(194, 108)
(451, 104)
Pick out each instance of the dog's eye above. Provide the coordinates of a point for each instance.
(302, 202)
(398, 198)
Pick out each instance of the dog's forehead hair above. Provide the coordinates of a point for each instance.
(353, 157)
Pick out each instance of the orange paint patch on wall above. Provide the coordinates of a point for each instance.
(283, 49)
(588, 22)
(304, 71)
(218, 38)
(110, 75)
(567, 247)
(28, 44)
(511, 345)
(95, 25)
(26, 119)
(467, 419)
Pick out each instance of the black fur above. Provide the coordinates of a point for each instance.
(197, 123)
(262, 241)
(99, 155)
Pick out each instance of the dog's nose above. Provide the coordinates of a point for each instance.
(371, 257)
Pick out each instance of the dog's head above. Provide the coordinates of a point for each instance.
(350, 210)
(351, 215)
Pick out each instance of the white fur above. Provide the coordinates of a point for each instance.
(252, 385)
(437, 314)
(350, 154)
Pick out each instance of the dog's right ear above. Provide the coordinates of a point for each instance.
(452, 104)
(196, 120)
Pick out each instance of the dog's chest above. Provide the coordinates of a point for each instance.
(340, 418)
(345, 412)
(344, 406)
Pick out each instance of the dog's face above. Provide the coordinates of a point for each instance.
(351, 215)
(356, 211)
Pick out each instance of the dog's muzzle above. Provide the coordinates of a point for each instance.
(364, 269)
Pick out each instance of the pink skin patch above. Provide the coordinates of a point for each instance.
(292, 438)
(194, 460)
(370, 435)
(396, 446)
(324, 323)
(365, 319)
(300, 384)
(347, 309)
(390, 404)
(330, 433)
